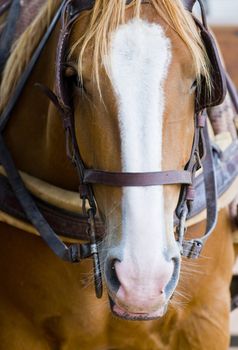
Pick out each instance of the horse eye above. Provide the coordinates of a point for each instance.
(72, 74)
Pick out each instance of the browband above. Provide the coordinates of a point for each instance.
(83, 5)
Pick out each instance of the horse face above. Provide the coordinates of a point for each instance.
(144, 122)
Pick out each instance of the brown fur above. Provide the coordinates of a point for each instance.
(47, 304)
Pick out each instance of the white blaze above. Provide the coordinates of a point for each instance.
(140, 55)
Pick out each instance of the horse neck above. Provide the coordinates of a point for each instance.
(35, 135)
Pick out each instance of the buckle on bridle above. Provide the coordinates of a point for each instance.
(94, 253)
(181, 228)
(188, 249)
(192, 249)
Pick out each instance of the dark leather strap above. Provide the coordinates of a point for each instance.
(63, 222)
(122, 179)
(226, 171)
(218, 77)
(82, 5)
(210, 186)
(188, 4)
(232, 91)
(194, 163)
(4, 6)
(7, 35)
(192, 248)
(73, 253)
(4, 118)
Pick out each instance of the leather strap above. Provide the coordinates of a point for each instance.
(194, 163)
(64, 222)
(137, 179)
(226, 171)
(219, 87)
(73, 253)
(188, 4)
(4, 6)
(232, 91)
(6, 115)
(7, 35)
(192, 248)
(83, 5)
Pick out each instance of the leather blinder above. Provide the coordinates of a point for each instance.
(217, 74)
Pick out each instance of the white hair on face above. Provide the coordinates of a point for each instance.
(139, 57)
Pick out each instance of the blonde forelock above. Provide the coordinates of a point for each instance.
(104, 18)
(107, 15)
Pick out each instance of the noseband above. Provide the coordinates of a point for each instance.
(200, 153)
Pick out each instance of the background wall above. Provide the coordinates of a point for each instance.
(222, 12)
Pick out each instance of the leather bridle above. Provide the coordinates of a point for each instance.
(201, 145)
(201, 152)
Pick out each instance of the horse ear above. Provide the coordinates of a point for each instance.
(188, 4)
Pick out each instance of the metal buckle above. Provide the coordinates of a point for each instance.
(189, 249)
(181, 228)
(192, 249)
(94, 253)
(198, 163)
(79, 252)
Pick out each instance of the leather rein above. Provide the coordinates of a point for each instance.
(201, 152)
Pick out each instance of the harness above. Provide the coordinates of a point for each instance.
(201, 151)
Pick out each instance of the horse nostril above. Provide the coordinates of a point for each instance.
(174, 277)
(111, 275)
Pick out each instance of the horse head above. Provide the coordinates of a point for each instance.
(134, 112)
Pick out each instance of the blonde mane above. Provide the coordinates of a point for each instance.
(105, 17)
